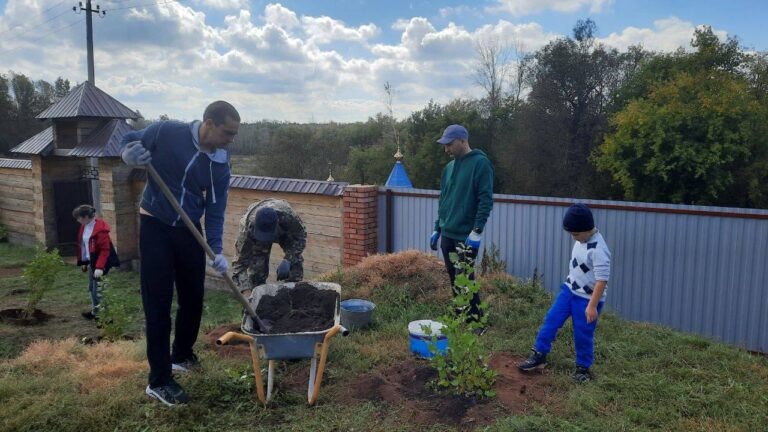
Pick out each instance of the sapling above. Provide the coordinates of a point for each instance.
(462, 370)
(40, 275)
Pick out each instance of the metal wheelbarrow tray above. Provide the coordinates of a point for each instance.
(286, 346)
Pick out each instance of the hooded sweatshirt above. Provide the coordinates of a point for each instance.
(98, 245)
(466, 195)
(199, 180)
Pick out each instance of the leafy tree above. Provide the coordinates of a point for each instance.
(572, 81)
(61, 88)
(686, 141)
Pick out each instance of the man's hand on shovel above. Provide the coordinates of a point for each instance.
(219, 263)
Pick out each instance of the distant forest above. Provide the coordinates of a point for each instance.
(573, 119)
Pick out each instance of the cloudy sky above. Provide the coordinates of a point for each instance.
(324, 60)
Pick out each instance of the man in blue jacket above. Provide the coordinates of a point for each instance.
(192, 160)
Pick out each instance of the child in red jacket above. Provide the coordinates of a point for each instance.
(93, 247)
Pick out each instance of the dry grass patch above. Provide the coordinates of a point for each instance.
(100, 366)
(420, 275)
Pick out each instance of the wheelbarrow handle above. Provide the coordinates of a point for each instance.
(199, 237)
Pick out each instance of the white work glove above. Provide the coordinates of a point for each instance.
(98, 273)
(219, 264)
(135, 154)
(473, 239)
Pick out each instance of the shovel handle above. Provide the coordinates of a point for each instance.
(199, 237)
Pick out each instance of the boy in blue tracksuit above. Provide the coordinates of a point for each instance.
(581, 297)
(192, 160)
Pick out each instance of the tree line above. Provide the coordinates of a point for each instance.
(575, 118)
(21, 99)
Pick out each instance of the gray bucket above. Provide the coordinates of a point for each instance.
(356, 313)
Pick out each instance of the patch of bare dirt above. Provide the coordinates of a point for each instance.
(11, 272)
(405, 385)
(16, 316)
(233, 349)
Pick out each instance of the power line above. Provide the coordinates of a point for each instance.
(33, 26)
(47, 34)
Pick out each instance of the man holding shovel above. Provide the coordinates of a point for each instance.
(192, 160)
(266, 222)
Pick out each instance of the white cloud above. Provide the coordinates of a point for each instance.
(668, 34)
(323, 30)
(225, 4)
(279, 16)
(529, 7)
(274, 63)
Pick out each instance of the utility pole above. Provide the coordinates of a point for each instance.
(92, 162)
(89, 33)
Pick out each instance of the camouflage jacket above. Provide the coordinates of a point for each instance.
(251, 266)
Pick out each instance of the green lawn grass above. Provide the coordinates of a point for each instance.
(647, 377)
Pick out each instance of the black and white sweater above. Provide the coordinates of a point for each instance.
(590, 262)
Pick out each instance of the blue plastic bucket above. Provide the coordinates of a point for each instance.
(420, 340)
(356, 313)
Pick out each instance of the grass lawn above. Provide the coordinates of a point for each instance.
(647, 377)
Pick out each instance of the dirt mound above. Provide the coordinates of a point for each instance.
(421, 275)
(405, 385)
(303, 308)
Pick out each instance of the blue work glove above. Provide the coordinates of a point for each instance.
(219, 264)
(135, 154)
(284, 270)
(433, 240)
(473, 239)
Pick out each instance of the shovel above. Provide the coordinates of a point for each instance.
(263, 327)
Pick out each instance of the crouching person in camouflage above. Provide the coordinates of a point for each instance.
(266, 222)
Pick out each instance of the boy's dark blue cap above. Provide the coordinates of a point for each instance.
(266, 222)
(454, 132)
(578, 218)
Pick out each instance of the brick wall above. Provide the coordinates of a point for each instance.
(360, 223)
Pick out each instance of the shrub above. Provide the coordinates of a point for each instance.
(40, 275)
(113, 314)
(3, 234)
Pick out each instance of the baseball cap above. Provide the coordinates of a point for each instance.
(454, 132)
(266, 222)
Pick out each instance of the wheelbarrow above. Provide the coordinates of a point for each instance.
(286, 346)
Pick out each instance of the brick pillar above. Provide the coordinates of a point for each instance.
(360, 223)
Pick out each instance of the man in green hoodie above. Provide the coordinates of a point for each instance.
(466, 199)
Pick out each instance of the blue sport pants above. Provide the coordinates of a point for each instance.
(569, 305)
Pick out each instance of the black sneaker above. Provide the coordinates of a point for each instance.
(536, 360)
(187, 365)
(88, 315)
(582, 374)
(480, 331)
(170, 394)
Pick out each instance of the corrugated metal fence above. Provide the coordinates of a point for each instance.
(694, 268)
